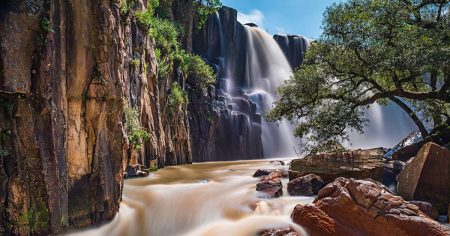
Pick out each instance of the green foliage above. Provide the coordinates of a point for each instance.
(177, 98)
(165, 33)
(126, 6)
(153, 168)
(135, 63)
(34, 220)
(206, 8)
(201, 72)
(136, 134)
(168, 51)
(371, 51)
(46, 25)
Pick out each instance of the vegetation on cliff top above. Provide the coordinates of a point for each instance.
(373, 51)
(169, 53)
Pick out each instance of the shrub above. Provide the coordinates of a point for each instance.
(201, 72)
(204, 9)
(177, 97)
(136, 134)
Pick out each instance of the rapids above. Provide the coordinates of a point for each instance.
(217, 198)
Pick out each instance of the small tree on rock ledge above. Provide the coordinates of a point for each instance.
(385, 51)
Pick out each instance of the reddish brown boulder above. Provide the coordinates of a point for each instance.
(275, 173)
(262, 172)
(317, 222)
(270, 188)
(305, 186)
(363, 207)
(427, 177)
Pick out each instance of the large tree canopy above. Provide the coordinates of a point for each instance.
(385, 51)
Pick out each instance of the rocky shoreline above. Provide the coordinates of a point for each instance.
(351, 200)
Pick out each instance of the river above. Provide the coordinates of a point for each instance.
(216, 198)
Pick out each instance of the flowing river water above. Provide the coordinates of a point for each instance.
(216, 198)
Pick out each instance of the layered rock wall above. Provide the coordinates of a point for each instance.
(66, 79)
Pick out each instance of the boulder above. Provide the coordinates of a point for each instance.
(305, 186)
(280, 232)
(133, 171)
(276, 174)
(317, 222)
(407, 148)
(426, 177)
(359, 164)
(427, 208)
(270, 188)
(270, 173)
(262, 172)
(363, 207)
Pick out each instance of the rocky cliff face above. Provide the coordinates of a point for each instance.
(294, 47)
(66, 78)
(232, 131)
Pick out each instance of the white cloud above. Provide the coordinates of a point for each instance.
(254, 16)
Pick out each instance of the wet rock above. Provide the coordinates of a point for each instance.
(427, 208)
(280, 232)
(426, 177)
(357, 164)
(390, 171)
(363, 207)
(274, 173)
(281, 163)
(262, 172)
(407, 148)
(305, 186)
(133, 171)
(270, 188)
(293, 47)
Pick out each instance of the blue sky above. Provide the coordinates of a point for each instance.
(302, 17)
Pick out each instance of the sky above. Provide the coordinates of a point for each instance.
(302, 17)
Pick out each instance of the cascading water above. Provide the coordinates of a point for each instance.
(216, 198)
(266, 68)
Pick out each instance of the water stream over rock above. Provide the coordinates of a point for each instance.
(217, 198)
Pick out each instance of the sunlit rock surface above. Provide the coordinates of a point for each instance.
(331, 165)
(363, 207)
(426, 177)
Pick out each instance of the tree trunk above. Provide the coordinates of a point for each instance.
(412, 115)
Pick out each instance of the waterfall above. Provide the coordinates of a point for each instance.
(252, 89)
(266, 69)
(251, 65)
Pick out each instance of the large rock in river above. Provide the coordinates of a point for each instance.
(426, 177)
(363, 207)
(359, 164)
(305, 186)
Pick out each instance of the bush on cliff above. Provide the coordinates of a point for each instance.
(136, 134)
(177, 98)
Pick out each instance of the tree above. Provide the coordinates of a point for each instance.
(384, 51)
